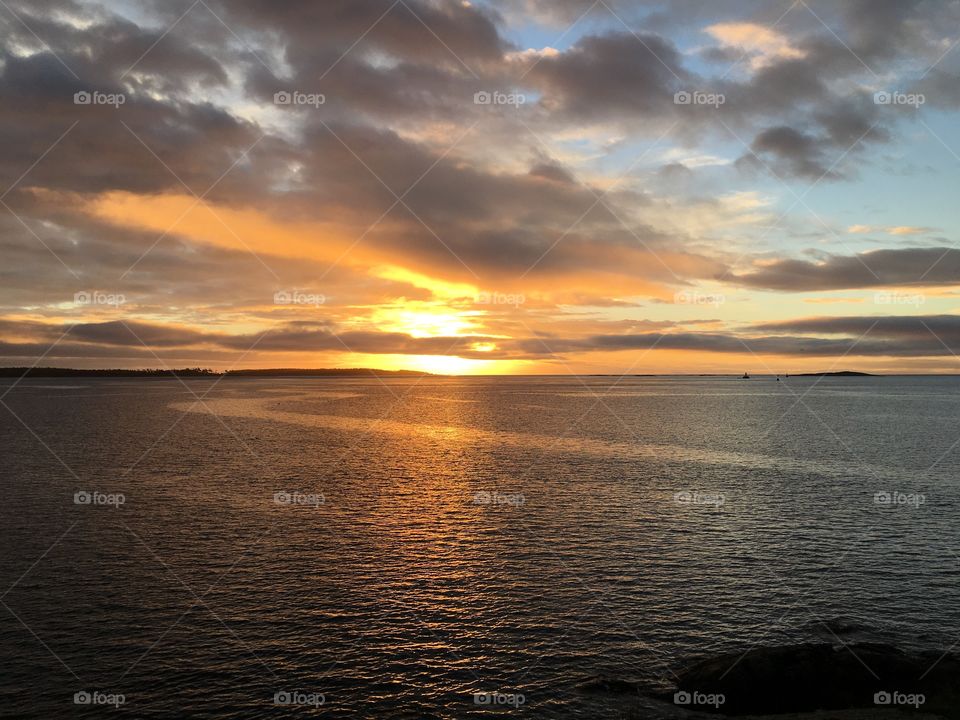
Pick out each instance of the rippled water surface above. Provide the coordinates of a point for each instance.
(396, 546)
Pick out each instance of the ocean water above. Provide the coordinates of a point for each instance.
(457, 547)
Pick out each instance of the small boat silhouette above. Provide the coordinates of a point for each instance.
(746, 376)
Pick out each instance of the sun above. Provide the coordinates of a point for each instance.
(432, 323)
(444, 316)
(425, 319)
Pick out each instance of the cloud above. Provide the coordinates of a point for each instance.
(906, 335)
(552, 171)
(841, 136)
(399, 186)
(197, 141)
(875, 268)
(926, 336)
(793, 153)
(763, 45)
(908, 230)
(890, 230)
(448, 32)
(895, 326)
(612, 73)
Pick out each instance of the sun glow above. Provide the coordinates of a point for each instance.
(424, 320)
(438, 288)
(453, 365)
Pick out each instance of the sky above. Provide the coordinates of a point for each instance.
(483, 187)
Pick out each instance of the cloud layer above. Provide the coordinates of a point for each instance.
(637, 177)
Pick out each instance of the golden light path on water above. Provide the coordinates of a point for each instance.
(268, 410)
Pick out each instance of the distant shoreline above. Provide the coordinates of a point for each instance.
(53, 372)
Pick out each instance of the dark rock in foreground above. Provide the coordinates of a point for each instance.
(803, 678)
(856, 680)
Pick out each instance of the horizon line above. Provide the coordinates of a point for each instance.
(24, 372)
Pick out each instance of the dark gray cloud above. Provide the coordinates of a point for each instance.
(477, 221)
(613, 74)
(196, 141)
(843, 134)
(552, 171)
(875, 268)
(793, 152)
(417, 29)
(919, 330)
